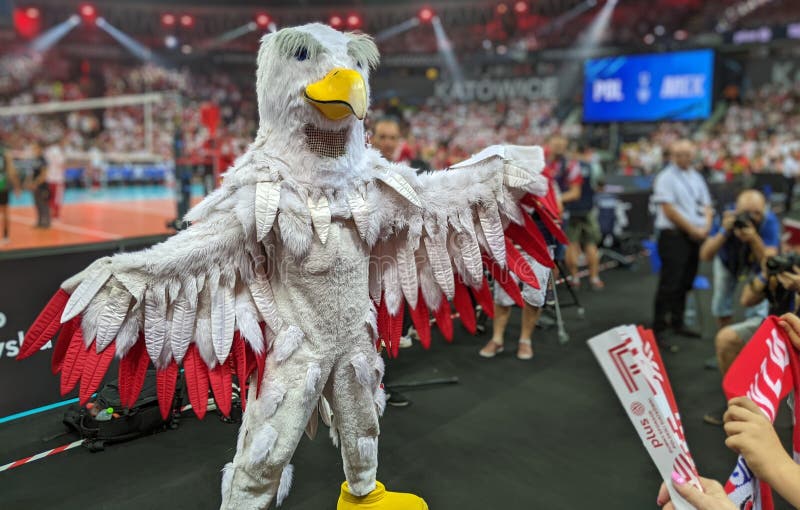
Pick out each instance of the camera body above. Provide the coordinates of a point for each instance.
(782, 263)
(743, 220)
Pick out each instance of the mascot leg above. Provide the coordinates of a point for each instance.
(271, 429)
(357, 402)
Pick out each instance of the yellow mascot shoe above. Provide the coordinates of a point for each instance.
(379, 499)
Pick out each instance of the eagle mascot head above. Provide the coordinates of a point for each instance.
(313, 92)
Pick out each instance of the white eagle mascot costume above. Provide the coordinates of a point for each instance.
(297, 269)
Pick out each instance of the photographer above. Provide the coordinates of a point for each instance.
(779, 284)
(739, 244)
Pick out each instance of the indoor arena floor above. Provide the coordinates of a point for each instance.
(512, 435)
(90, 216)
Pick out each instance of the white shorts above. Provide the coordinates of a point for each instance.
(532, 296)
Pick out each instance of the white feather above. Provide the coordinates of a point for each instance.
(325, 411)
(155, 322)
(261, 291)
(333, 431)
(492, 228)
(361, 213)
(379, 366)
(368, 448)
(189, 286)
(296, 231)
(272, 398)
(247, 320)
(223, 317)
(470, 250)
(202, 334)
(108, 325)
(263, 440)
(436, 246)
(407, 270)
(392, 292)
(398, 183)
(362, 370)
(268, 196)
(288, 341)
(285, 485)
(427, 283)
(380, 400)
(181, 327)
(128, 333)
(227, 479)
(313, 375)
(515, 176)
(375, 275)
(85, 292)
(320, 217)
(134, 282)
(372, 320)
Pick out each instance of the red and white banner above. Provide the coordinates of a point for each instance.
(630, 359)
(766, 371)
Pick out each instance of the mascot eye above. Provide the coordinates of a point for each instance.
(301, 54)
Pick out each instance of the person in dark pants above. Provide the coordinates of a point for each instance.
(683, 221)
(41, 191)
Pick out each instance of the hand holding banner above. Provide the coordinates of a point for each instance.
(630, 359)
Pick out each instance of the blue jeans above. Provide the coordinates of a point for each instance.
(722, 299)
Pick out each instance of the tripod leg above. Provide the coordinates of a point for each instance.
(563, 336)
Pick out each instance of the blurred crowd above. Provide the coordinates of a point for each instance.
(759, 134)
(122, 130)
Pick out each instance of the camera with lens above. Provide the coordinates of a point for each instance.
(743, 220)
(782, 263)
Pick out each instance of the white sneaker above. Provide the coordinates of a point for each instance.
(405, 342)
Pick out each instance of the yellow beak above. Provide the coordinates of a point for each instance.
(340, 93)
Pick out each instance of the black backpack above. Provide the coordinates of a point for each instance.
(143, 418)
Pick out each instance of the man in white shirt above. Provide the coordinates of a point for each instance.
(683, 221)
(56, 176)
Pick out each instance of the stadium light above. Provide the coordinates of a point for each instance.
(171, 42)
(426, 15)
(262, 20)
(354, 21)
(138, 49)
(168, 20)
(187, 20)
(88, 12)
(336, 21)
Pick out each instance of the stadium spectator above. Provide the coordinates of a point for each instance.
(8, 181)
(39, 187)
(56, 176)
(583, 229)
(386, 137)
(683, 221)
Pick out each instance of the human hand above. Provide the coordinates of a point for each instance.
(746, 234)
(791, 324)
(698, 233)
(790, 280)
(712, 497)
(751, 435)
(728, 219)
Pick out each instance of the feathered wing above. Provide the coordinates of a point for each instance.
(433, 235)
(200, 299)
